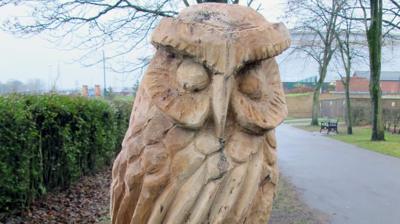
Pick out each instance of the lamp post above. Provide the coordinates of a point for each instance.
(104, 75)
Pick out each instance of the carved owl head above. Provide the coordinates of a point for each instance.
(215, 59)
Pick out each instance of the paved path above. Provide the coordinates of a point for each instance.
(350, 184)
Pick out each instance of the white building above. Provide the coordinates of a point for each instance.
(297, 65)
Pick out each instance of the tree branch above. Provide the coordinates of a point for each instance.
(249, 2)
(395, 3)
(186, 3)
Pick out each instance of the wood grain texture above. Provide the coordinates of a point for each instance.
(200, 147)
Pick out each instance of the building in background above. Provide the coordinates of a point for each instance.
(359, 83)
(296, 65)
(97, 90)
(305, 85)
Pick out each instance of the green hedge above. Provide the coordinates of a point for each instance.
(49, 141)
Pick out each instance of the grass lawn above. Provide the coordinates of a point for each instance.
(361, 137)
(297, 94)
(127, 98)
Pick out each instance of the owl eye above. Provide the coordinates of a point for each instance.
(250, 85)
(192, 76)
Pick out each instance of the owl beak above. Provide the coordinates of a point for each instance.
(221, 90)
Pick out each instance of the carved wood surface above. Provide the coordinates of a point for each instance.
(201, 147)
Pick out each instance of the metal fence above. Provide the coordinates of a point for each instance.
(361, 109)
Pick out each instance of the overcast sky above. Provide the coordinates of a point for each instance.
(32, 58)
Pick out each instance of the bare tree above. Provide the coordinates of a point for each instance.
(380, 18)
(35, 86)
(14, 86)
(317, 20)
(121, 27)
(373, 21)
(391, 16)
(348, 45)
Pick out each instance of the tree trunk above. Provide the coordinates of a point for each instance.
(349, 121)
(374, 36)
(315, 106)
(317, 90)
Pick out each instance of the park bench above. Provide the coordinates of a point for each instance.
(329, 126)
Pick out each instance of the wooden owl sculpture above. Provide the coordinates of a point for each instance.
(201, 147)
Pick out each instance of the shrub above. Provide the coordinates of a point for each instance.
(123, 111)
(361, 115)
(49, 141)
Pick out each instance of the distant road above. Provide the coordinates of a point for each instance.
(352, 185)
